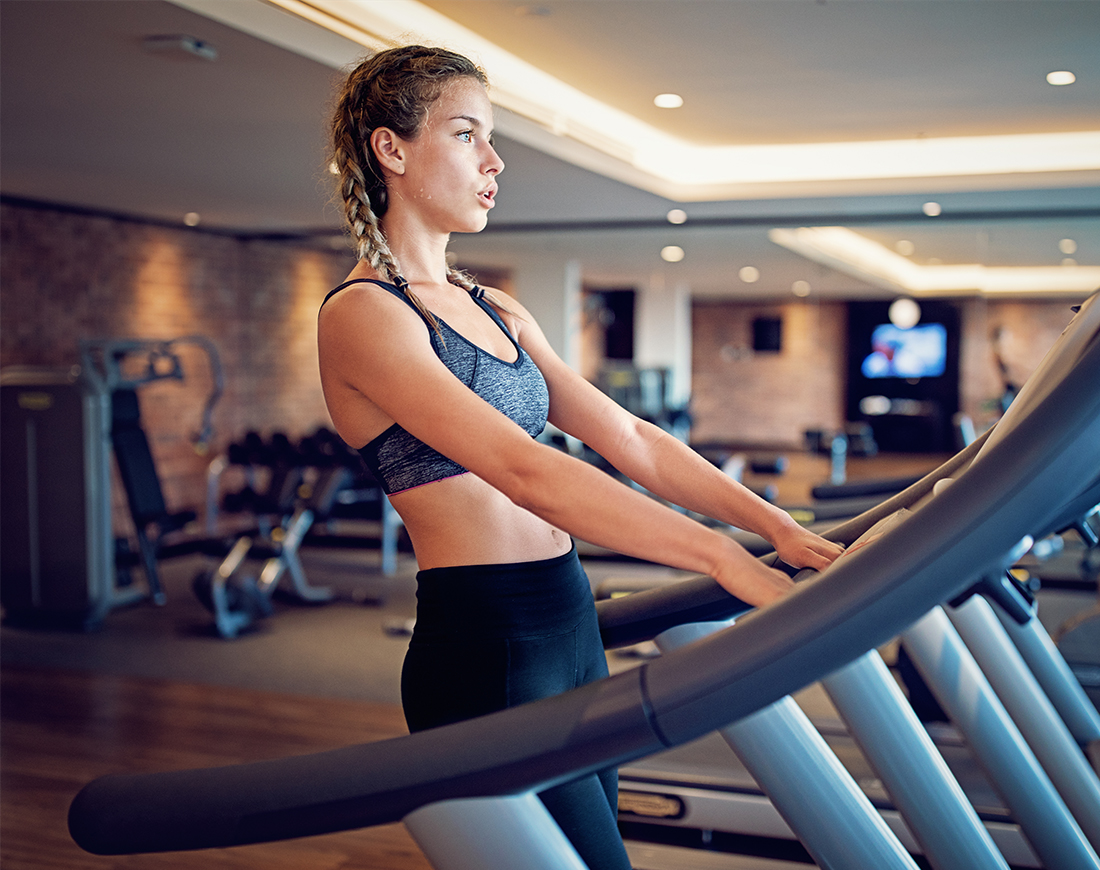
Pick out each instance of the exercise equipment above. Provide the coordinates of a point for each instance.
(57, 564)
(473, 774)
(814, 796)
(303, 484)
(702, 788)
(295, 494)
(120, 367)
(60, 427)
(152, 519)
(273, 472)
(1074, 569)
(1051, 801)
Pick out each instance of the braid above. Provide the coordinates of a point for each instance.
(361, 187)
(462, 279)
(392, 89)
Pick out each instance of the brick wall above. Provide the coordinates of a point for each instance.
(770, 399)
(765, 398)
(67, 276)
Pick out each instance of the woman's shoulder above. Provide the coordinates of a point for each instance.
(363, 307)
(353, 283)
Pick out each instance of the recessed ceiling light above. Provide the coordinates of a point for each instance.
(192, 218)
(905, 247)
(932, 209)
(668, 101)
(904, 313)
(677, 216)
(1067, 246)
(801, 288)
(672, 253)
(1061, 77)
(749, 274)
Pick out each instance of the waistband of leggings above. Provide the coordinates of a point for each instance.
(537, 597)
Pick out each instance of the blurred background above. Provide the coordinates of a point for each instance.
(164, 174)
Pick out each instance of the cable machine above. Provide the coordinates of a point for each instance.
(59, 429)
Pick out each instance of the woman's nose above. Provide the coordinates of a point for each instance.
(495, 164)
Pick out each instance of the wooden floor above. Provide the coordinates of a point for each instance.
(61, 729)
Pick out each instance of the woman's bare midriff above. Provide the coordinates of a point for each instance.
(462, 520)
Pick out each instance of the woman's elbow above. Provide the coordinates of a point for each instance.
(528, 479)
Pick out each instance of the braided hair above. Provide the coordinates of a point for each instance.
(393, 88)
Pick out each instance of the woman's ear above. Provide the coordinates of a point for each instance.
(388, 149)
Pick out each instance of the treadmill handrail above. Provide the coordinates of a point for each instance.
(863, 600)
(642, 615)
(548, 741)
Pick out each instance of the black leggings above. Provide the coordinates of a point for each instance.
(494, 636)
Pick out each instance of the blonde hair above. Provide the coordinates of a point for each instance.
(393, 88)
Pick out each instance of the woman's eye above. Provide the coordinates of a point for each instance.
(466, 136)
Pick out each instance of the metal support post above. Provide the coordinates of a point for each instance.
(963, 691)
(516, 832)
(1031, 710)
(811, 789)
(914, 773)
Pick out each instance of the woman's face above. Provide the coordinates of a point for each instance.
(449, 177)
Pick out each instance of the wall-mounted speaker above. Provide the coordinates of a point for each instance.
(767, 334)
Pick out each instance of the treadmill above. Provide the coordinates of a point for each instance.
(704, 788)
(467, 791)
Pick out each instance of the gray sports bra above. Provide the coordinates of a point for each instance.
(398, 460)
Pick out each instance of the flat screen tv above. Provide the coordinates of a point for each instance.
(917, 352)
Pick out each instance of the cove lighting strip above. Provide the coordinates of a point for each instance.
(677, 168)
(847, 251)
(545, 113)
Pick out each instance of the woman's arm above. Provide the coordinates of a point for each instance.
(374, 349)
(664, 465)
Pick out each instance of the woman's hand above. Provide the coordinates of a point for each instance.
(755, 583)
(749, 579)
(801, 548)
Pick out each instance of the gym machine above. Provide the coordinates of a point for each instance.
(57, 563)
(119, 367)
(60, 427)
(466, 791)
(1023, 733)
(303, 485)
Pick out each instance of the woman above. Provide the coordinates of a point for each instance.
(442, 386)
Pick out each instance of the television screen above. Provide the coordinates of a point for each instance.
(918, 352)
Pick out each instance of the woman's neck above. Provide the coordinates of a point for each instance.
(421, 255)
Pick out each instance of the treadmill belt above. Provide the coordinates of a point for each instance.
(709, 764)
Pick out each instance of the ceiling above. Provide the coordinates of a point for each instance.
(91, 118)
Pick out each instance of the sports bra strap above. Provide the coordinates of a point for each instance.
(478, 291)
(336, 290)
